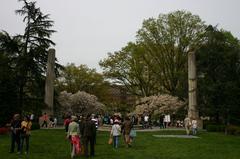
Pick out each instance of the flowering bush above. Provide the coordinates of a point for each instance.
(158, 104)
(79, 103)
(4, 130)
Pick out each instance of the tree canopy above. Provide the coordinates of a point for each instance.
(24, 61)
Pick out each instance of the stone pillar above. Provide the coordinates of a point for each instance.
(49, 85)
(192, 89)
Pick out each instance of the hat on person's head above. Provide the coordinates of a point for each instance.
(74, 118)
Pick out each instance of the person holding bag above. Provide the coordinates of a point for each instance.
(115, 133)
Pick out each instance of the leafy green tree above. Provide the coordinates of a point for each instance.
(81, 78)
(23, 62)
(8, 87)
(218, 63)
(157, 63)
(166, 42)
(127, 67)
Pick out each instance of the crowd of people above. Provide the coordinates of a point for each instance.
(48, 122)
(81, 131)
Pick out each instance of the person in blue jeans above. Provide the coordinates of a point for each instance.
(115, 133)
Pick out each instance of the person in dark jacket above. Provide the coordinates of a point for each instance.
(88, 132)
(15, 132)
(126, 128)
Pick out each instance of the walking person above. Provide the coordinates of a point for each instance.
(115, 133)
(15, 133)
(73, 135)
(89, 130)
(126, 127)
(26, 125)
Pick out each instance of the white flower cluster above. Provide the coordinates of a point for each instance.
(79, 103)
(158, 104)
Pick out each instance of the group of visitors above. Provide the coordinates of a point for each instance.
(81, 132)
(48, 122)
(125, 128)
(20, 133)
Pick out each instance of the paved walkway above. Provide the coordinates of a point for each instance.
(108, 128)
(103, 128)
(177, 136)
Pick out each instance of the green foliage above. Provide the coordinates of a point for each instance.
(81, 78)
(127, 67)
(215, 128)
(23, 63)
(233, 130)
(219, 76)
(167, 41)
(157, 62)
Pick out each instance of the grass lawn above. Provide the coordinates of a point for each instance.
(51, 144)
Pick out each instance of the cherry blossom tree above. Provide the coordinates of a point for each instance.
(159, 104)
(79, 103)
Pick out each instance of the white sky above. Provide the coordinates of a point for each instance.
(88, 29)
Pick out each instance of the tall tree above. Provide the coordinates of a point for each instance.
(167, 41)
(8, 88)
(127, 67)
(32, 59)
(218, 63)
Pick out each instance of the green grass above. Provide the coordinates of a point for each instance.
(51, 144)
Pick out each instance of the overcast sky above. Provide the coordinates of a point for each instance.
(88, 29)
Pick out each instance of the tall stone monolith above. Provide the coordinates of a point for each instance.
(192, 88)
(49, 85)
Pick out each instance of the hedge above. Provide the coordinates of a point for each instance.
(215, 128)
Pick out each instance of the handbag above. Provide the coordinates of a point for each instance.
(110, 140)
(133, 133)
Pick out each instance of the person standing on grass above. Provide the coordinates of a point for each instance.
(66, 122)
(126, 127)
(95, 120)
(26, 125)
(89, 130)
(115, 133)
(187, 124)
(73, 135)
(194, 126)
(45, 119)
(15, 133)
